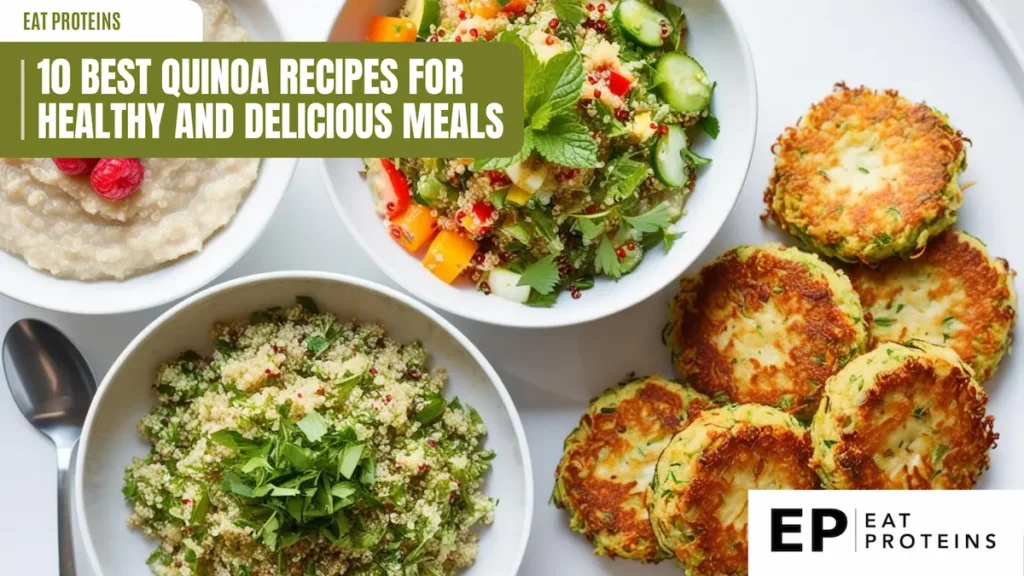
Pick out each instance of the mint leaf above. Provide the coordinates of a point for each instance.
(542, 275)
(570, 12)
(313, 426)
(654, 220)
(624, 176)
(567, 141)
(709, 124)
(501, 163)
(607, 261)
(555, 89)
(531, 65)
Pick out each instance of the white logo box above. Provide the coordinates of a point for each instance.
(137, 21)
(937, 533)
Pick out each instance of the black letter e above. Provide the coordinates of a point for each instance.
(779, 528)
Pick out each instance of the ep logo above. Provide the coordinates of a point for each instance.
(825, 523)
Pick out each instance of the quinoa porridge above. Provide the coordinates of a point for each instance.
(61, 224)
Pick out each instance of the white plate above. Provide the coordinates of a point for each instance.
(717, 41)
(110, 440)
(183, 276)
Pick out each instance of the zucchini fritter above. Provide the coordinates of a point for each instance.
(698, 499)
(866, 175)
(609, 461)
(903, 417)
(953, 295)
(766, 325)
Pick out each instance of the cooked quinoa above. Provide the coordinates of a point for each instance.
(308, 447)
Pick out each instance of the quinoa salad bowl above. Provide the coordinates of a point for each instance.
(668, 95)
(303, 424)
(116, 235)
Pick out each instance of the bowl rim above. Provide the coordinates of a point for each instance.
(255, 279)
(582, 314)
(189, 285)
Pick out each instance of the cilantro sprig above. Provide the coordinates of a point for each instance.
(304, 479)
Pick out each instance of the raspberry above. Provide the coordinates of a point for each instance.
(74, 166)
(117, 178)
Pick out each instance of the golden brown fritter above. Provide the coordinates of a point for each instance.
(766, 325)
(609, 461)
(698, 500)
(903, 417)
(867, 175)
(953, 295)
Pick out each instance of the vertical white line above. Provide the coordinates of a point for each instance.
(23, 100)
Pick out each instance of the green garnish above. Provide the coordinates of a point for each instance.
(709, 124)
(607, 261)
(541, 276)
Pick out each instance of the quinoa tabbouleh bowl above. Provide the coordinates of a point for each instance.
(612, 101)
(307, 446)
(351, 455)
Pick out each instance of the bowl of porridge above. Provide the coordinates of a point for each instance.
(112, 235)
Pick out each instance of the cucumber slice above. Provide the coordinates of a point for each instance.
(632, 259)
(424, 13)
(669, 165)
(685, 85)
(505, 283)
(642, 23)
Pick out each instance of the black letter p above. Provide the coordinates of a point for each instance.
(818, 531)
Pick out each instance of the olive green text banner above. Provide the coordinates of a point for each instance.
(257, 99)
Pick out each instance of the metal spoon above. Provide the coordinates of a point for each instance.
(53, 386)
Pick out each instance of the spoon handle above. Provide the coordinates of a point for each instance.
(65, 540)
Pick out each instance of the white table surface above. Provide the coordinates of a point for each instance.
(307, 234)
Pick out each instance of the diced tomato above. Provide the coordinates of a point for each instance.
(414, 227)
(516, 7)
(390, 29)
(449, 254)
(478, 221)
(395, 197)
(618, 84)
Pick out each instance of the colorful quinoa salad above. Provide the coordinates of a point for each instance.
(611, 101)
(308, 447)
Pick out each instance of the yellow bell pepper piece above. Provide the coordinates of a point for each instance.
(414, 227)
(517, 195)
(448, 255)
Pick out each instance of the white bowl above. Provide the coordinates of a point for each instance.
(109, 440)
(717, 41)
(181, 277)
